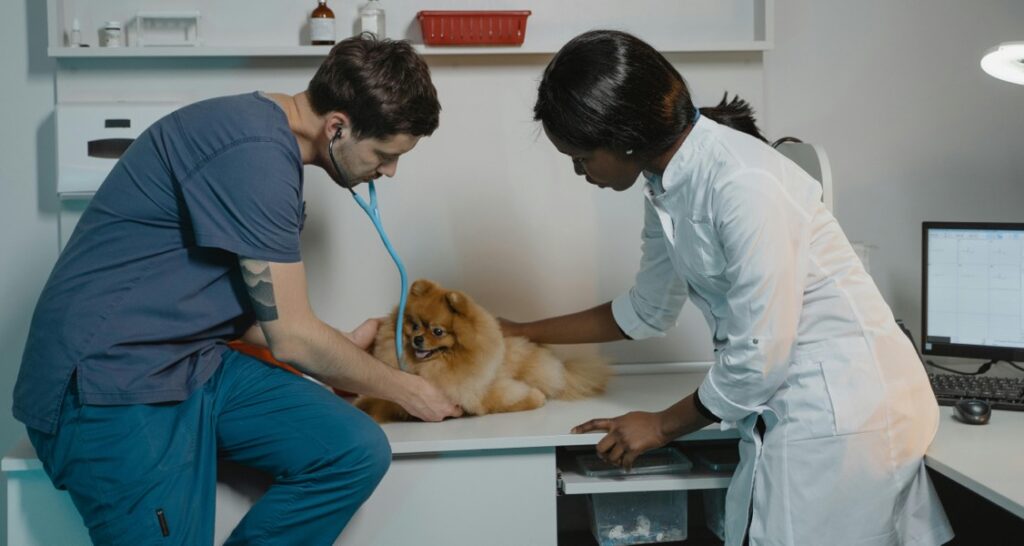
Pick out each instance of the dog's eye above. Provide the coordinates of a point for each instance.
(414, 326)
(438, 332)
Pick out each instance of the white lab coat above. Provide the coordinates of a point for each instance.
(802, 338)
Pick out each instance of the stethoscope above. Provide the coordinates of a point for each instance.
(373, 212)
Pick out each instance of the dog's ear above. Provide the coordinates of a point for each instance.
(458, 302)
(421, 286)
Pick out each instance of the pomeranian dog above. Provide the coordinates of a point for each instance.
(458, 346)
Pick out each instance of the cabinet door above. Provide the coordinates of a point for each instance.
(499, 498)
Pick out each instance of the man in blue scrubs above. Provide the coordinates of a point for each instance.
(127, 388)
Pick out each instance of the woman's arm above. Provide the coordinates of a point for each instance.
(595, 325)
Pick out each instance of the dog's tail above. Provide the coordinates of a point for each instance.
(585, 376)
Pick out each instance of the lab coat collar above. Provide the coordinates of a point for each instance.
(682, 163)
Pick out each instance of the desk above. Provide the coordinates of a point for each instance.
(987, 459)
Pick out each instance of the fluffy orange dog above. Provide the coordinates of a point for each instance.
(458, 346)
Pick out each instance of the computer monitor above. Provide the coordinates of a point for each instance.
(972, 286)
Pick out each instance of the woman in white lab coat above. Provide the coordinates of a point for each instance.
(830, 400)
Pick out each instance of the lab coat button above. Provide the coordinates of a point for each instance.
(755, 341)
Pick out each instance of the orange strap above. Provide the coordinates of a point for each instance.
(260, 353)
(264, 354)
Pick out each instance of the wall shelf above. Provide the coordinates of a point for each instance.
(320, 51)
(671, 26)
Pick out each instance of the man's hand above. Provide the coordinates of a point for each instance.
(629, 436)
(418, 396)
(364, 334)
(422, 399)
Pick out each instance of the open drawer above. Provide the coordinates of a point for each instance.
(573, 481)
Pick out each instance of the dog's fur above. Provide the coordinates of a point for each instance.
(458, 346)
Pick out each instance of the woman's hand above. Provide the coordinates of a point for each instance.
(629, 436)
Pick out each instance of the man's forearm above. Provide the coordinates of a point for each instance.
(254, 336)
(328, 355)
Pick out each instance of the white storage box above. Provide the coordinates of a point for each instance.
(92, 136)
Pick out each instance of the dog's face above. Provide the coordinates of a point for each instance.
(432, 321)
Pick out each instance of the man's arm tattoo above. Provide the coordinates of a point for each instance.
(261, 288)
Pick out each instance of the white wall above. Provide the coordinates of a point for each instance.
(914, 129)
(28, 237)
(486, 204)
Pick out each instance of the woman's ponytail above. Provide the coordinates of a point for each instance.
(736, 113)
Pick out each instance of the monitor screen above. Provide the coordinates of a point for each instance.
(972, 283)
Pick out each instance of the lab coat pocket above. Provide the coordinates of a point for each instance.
(707, 257)
(803, 402)
(855, 387)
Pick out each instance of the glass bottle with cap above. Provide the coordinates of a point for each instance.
(112, 34)
(321, 25)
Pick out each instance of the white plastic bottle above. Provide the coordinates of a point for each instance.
(371, 19)
(75, 39)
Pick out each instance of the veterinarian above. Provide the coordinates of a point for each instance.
(832, 405)
(126, 386)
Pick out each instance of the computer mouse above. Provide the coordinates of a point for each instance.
(973, 412)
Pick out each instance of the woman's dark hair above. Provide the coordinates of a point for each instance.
(609, 89)
(382, 85)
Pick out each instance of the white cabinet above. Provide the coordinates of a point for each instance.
(457, 499)
(464, 482)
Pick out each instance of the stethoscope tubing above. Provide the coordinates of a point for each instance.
(373, 211)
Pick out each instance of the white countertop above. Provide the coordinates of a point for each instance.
(544, 427)
(987, 459)
(549, 426)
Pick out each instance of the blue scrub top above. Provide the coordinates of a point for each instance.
(148, 289)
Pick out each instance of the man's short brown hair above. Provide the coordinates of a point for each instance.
(382, 85)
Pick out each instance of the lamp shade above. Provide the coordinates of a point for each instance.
(1006, 62)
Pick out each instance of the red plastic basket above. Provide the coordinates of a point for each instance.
(473, 27)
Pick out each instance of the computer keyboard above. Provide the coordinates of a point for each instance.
(1000, 392)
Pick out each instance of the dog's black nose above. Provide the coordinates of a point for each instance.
(417, 341)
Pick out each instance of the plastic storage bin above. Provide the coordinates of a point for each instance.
(649, 517)
(714, 511)
(717, 459)
(473, 27)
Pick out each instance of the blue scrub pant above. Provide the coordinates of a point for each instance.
(146, 473)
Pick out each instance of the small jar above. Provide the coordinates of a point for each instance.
(112, 34)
